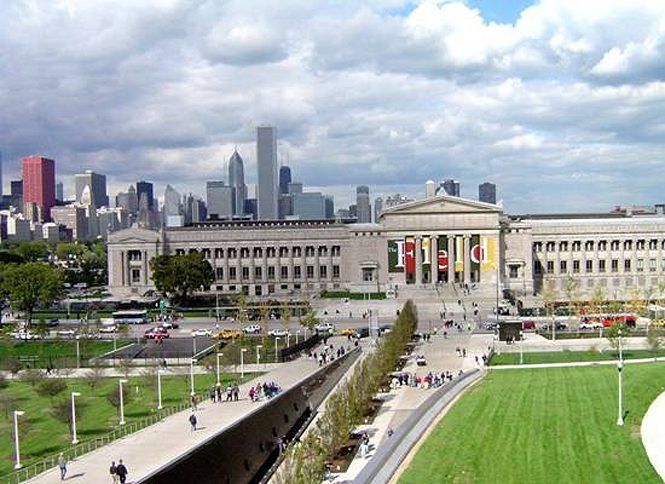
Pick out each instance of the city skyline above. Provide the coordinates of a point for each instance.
(554, 91)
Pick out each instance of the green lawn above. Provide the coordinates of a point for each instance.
(58, 353)
(568, 356)
(553, 425)
(43, 434)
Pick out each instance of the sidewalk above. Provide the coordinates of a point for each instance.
(153, 447)
(653, 436)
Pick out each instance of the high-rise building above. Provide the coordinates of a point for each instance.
(97, 184)
(195, 209)
(237, 181)
(219, 199)
(487, 192)
(59, 191)
(378, 208)
(172, 213)
(144, 187)
(284, 179)
(73, 218)
(39, 184)
(309, 206)
(450, 187)
(266, 161)
(295, 187)
(251, 208)
(285, 207)
(16, 194)
(128, 200)
(329, 202)
(363, 207)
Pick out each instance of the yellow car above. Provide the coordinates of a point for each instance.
(228, 334)
(348, 332)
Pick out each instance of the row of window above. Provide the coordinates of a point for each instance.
(602, 266)
(258, 252)
(576, 245)
(245, 272)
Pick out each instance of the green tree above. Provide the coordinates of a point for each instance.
(309, 320)
(32, 251)
(30, 285)
(654, 340)
(615, 331)
(178, 276)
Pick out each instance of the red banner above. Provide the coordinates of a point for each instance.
(443, 260)
(410, 255)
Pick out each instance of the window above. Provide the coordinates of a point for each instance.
(662, 265)
(626, 265)
(627, 245)
(336, 250)
(284, 272)
(563, 246)
(550, 246)
(219, 253)
(283, 251)
(538, 268)
(258, 272)
(577, 246)
(206, 253)
(640, 244)
(232, 253)
(653, 244)
(232, 274)
(244, 253)
(514, 271)
(323, 272)
(615, 265)
(309, 251)
(271, 273)
(537, 246)
(602, 245)
(368, 274)
(258, 252)
(563, 266)
(652, 265)
(297, 272)
(180, 252)
(576, 266)
(297, 252)
(136, 276)
(133, 255)
(270, 252)
(335, 272)
(601, 265)
(640, 265)
(245, 273)
(193, 251)
(588, 245)
(323, 250)
(589, 266)
(550, 267)
(219, 273)
(614, 245)
(310, 272)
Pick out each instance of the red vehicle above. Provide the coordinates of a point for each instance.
(528, 324)
(156, 333)
(608, 320)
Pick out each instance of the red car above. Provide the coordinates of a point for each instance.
(156, 333)
(528, 324)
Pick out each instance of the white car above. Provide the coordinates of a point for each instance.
(202, 332)
(66, 332)
(252, 329)
(108, 329)
(595, 325)
(24, 335)
(325, 327)
(278, 332)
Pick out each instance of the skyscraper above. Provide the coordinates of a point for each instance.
(284, 179)
(128, 200)
(59, 191)
(449, 187)
(237, 181)
(363, 206)
(144, 187)
(39, 184)
(487, 192)
(266, 161)
(173, 213)
(378, 208)
(219, 198)
(97, 184)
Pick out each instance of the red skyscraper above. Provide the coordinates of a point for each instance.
(39, 183)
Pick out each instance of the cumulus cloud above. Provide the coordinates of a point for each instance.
(388, 93)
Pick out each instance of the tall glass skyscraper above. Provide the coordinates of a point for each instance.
(237, 181)
(266, 161)
(284, 179)
(362, 204)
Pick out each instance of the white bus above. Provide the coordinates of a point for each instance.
(138, 316)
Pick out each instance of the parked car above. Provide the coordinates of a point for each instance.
(325, 327)
(169, 325)
(252, 329)
(559, 326)
(528, 324)
(24, 335)
(156, 332)
(591, 325)
(227, 334)
(52, 323)
(109, 328)
(348, 332)
(202, 332)
(278, 332)
(67, 333)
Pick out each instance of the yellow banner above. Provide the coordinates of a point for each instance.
(488, 249)
(459, 254)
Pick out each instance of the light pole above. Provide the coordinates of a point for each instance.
(218, 355)
(242, 363)
(122, 403)
(78, 352)
(620, 416)
(297, 335)
(288, 339)
(521, 347)
(258, 355)
(159, 389)
(193, 345)
(277, 338)
(74, 439)
(191, 374)
(17, 414)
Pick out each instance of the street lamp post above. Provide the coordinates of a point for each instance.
(218, 379)
(78, 352)
(521, 347)
(297, 335)
(620, 416)
(258, 355)
(191, 374)
(122, 403)
(276, 340)
(17, 414)
(288, 339)
(159, 389)
(193, 345)
(242, 362)
(74, 439)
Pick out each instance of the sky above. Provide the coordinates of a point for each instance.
(561, 103)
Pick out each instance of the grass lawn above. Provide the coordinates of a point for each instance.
(43, 434)
(59, 353)
(553, 425)
(568, 356)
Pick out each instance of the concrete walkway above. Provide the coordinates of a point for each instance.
(653, 434)
(150, 449)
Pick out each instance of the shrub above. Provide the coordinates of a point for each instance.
(52, 386)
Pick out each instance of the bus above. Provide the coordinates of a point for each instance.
(138, 316)
(607, 320)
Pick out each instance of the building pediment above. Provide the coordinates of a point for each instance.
(134, 235)
(442, 204)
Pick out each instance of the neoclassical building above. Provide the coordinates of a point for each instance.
(434, 241)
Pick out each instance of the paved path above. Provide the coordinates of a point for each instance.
(653, 434)
(153, 447)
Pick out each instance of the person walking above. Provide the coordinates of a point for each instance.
(122, 472)
(62, 465)
(192, 421)
(113, 470)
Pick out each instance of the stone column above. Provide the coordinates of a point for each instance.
(317, 263)
(123, 269)
(264, 266)
(451, 261)
(419, 260)
(252, 279)
(467, 259)
(434, 266)
(144, 271)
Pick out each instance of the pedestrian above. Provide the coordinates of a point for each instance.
(193, 400)
(464, 352)
(192, 421)
(236, 392)
(62, 464)
(218, 392)
(122, 472)
(229, 393)
(114, 472)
